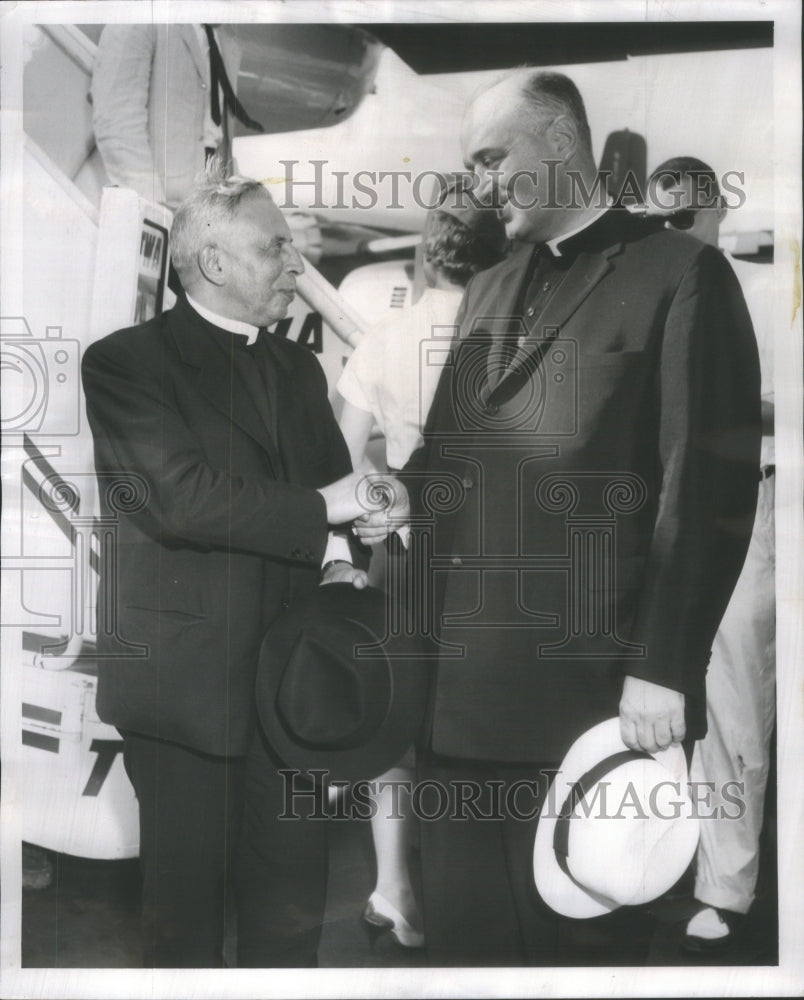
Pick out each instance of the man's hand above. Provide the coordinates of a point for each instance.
(375, 525)
(376, 503)
(372, 528)
(344, 572)
(651, 716)
(343, 498)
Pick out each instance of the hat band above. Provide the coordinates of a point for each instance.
(582, 786)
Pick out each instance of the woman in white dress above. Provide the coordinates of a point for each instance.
(390, 380)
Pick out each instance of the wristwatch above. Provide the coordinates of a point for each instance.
(333, 562)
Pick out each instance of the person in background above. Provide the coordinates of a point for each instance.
(164, 101)
(389, 380)
(741, 680)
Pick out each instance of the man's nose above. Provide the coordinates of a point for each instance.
(294, 262)
(485, 185)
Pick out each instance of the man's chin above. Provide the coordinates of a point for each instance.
(522, 230)
(278, 311)
(520, 234)
(518, 227)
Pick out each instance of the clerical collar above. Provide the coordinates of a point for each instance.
(232, 325)
(553, 245)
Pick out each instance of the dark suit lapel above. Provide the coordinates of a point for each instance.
(277, 365)
(218, 383)
(584, 274)
(225, 390)
(509, 279)
(498, 309)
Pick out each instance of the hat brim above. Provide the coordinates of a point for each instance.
(365, 611)
(556, 888)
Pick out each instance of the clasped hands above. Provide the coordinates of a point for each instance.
(374, 503)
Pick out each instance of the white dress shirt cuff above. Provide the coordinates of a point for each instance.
(337, 549)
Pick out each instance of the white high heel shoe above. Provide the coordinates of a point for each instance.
(380, 916)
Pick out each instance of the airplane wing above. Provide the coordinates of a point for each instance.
(461, 48)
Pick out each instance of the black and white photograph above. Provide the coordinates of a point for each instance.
(403, 499)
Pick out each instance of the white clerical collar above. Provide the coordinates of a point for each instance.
(554, 243)
(232, 325)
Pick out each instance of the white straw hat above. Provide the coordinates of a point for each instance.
(618, 828)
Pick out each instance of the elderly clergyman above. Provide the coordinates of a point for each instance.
(597, 436)
(244, 474)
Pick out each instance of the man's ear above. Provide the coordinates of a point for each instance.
(721, 209)
(210, 264)
(564, 137)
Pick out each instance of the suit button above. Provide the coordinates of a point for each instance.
(295, 554)
(492, 409)
(530, 311)
(468, 482)
(456, 561)
(284, 605)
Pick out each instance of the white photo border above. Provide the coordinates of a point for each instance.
(788, 977)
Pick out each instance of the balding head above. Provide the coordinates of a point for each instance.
(537, 98)
(523, 137)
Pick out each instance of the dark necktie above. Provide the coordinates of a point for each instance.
(219, 77)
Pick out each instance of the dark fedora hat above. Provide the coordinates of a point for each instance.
(333, 692)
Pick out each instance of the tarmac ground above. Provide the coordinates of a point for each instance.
(88, 917)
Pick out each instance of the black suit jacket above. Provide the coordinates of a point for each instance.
(598, 491)
(229, 529)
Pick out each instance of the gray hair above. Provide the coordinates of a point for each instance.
(548, 95)
(214, 200)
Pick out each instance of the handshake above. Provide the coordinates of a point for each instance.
(374, 503)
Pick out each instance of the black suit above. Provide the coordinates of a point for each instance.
(230, 529)
(603, 481)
